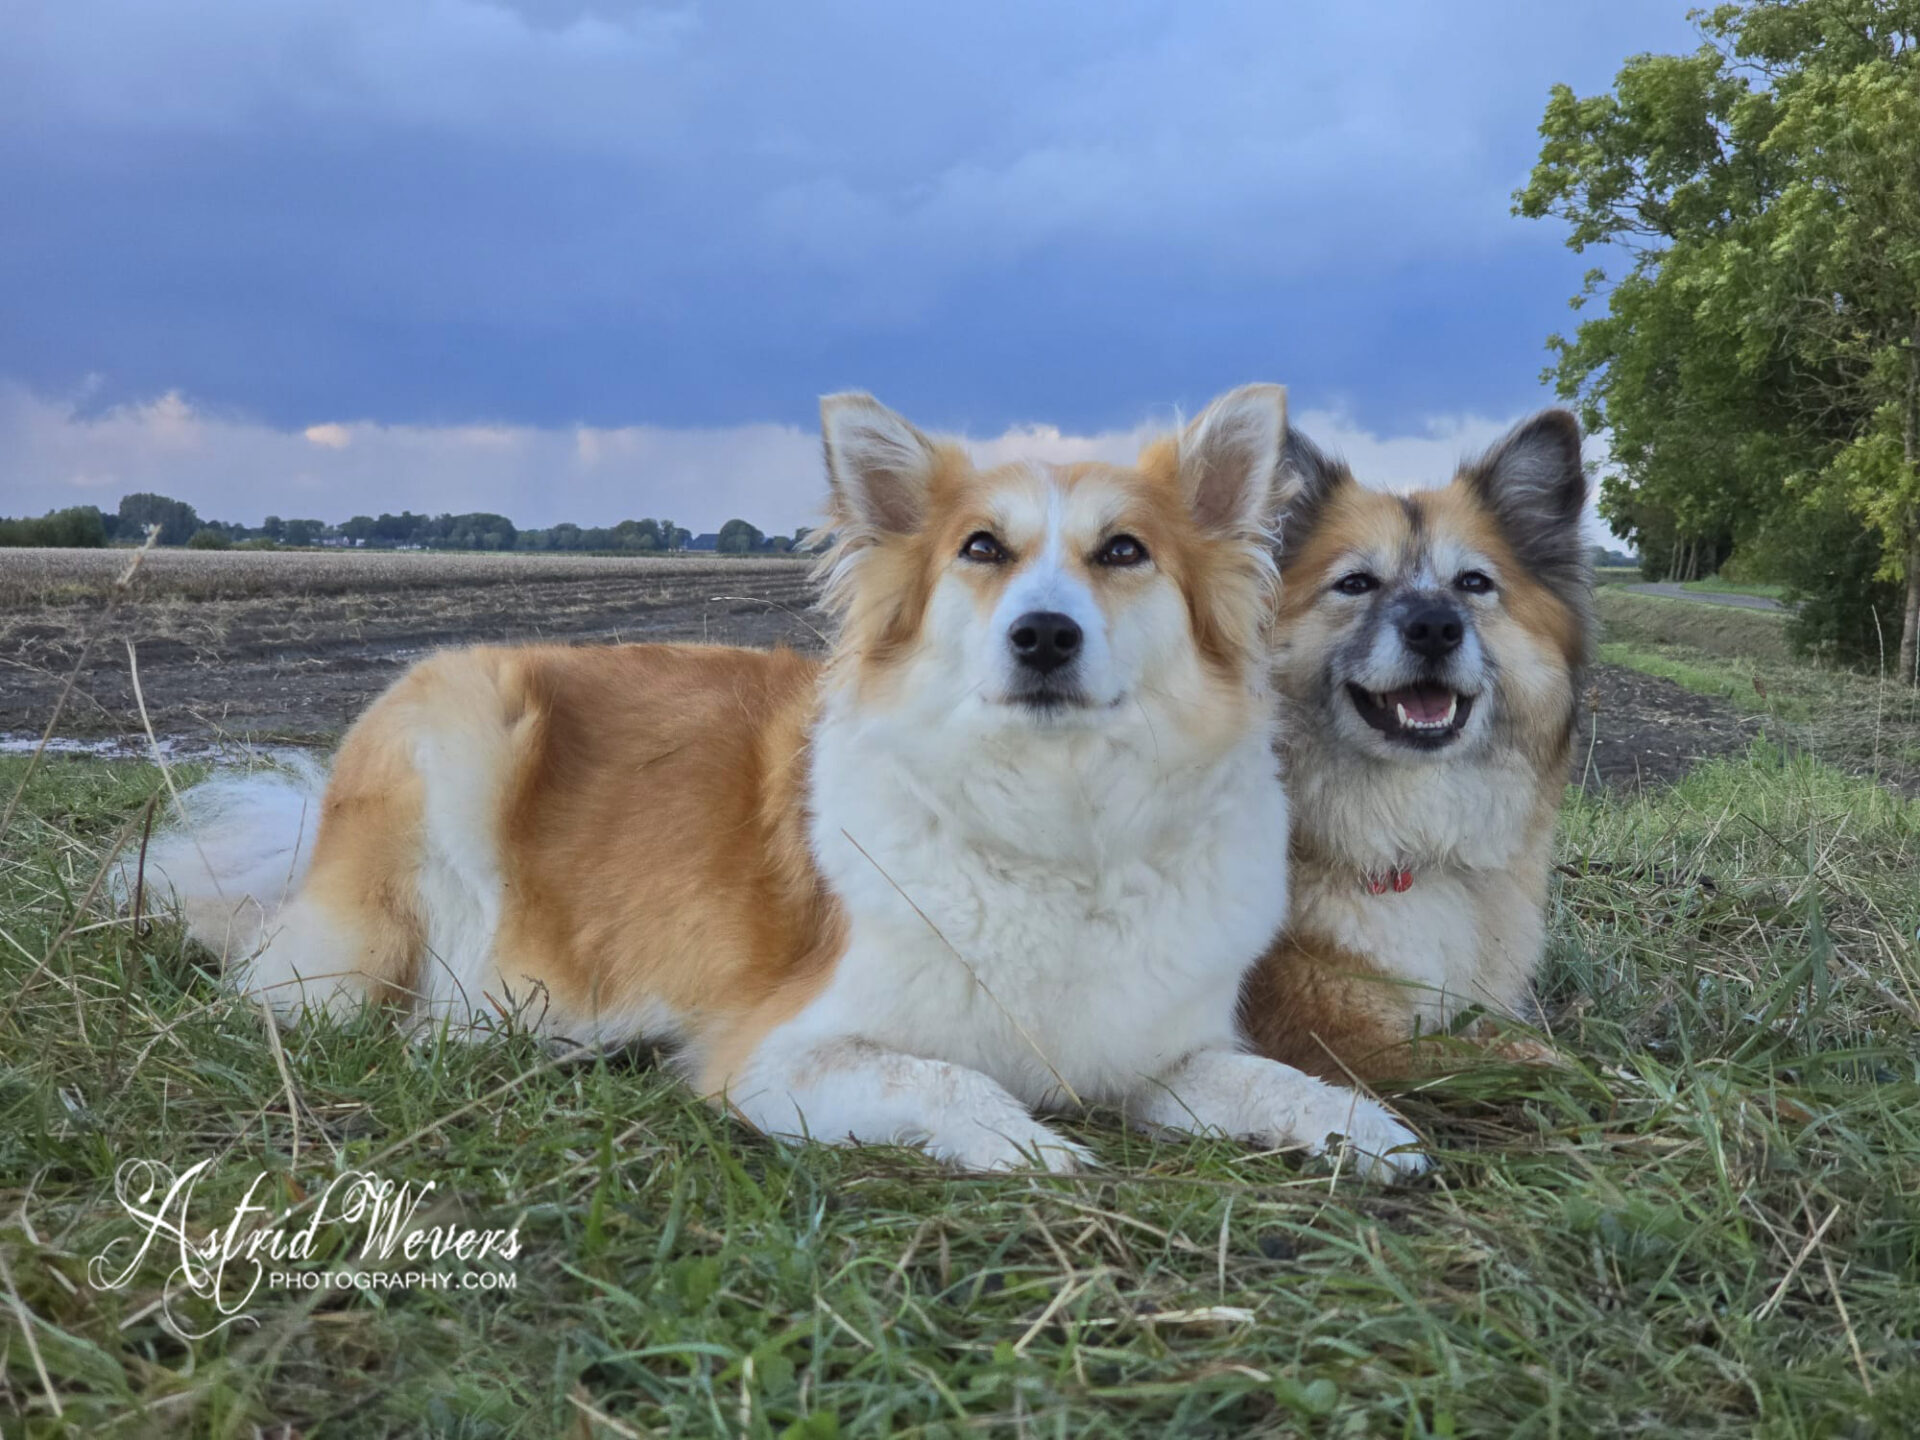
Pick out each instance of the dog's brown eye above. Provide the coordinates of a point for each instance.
(1121, 551)
(1358, 583)
(1473, 582)
(982, 547)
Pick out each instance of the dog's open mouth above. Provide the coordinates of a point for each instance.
(1424, 715)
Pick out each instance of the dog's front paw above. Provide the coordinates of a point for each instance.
(1383, 1148)
(1281, 1107)
(1005, 1142)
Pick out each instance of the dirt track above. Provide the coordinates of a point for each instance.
(296, 665)
(1640, 729)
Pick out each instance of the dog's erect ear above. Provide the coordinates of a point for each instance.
(1311, 478)
(1534, 484)
(1229, 459)
(878, 466)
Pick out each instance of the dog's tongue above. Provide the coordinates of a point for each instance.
(1425, 704)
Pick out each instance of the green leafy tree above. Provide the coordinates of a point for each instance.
(637, 535)
(177, 520)
(478, 531)
(80, 527)
(737, 537)
(1758, 363)
(1821, 553)
(563, 536)
(406, 528)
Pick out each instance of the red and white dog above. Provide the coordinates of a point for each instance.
(1011, 850)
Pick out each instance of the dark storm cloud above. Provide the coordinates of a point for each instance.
(553, 210)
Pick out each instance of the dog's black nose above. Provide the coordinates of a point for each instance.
(1433, 631)
(1044, 640)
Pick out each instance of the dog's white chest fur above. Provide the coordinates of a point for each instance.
(1085, 971)
(1455, 938)
(1469, 930)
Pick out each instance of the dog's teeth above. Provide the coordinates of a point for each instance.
(1453, 708)
(1401, 711)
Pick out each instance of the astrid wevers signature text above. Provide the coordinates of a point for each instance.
(225, 1263)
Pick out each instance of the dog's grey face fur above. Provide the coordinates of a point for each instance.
(1443, 623)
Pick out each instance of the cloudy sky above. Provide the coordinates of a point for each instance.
(584, 259)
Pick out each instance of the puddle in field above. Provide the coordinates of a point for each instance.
(138, 747)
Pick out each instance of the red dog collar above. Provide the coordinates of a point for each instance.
(1381, 881)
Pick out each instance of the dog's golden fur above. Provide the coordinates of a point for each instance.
(706, 742)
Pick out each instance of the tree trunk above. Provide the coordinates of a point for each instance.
(1910, 627)
(1910, 447)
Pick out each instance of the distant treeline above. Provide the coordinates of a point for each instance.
(80, 528)
(89, 527)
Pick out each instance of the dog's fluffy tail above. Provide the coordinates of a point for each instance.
(237, 856)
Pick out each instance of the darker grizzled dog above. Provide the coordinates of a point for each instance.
(1432, 646)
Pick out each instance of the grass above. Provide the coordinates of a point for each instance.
(1712, 629)
(1719, 585)
(1706, 1223)
(1860, 723)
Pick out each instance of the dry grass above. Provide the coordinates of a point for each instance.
(1629, 618)
(31, 578)
(1862, 724)
(1706, 1224)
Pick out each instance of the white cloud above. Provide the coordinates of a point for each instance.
(331, 437)
(237, 469)
(1408, 462)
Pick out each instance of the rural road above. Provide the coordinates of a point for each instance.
(1670, 591)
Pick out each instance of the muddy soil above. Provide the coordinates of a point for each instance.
(299, 667)
(1638, 729)
(296, 668)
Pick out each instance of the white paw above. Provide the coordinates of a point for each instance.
(1278, 1106)
(1383, 1148)
(1004, 1142)
(1381, 1145)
